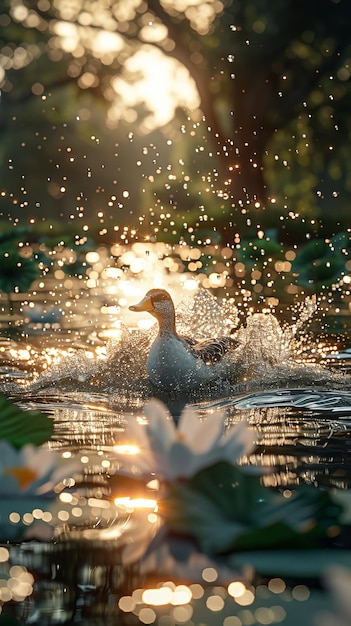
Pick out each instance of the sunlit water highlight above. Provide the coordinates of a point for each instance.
(78, 354)
(83, 361)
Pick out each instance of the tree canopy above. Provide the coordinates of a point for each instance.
(251, 97)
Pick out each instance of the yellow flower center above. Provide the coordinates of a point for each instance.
(180, 436)
(24, 475)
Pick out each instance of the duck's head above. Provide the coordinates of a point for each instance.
(158, 303)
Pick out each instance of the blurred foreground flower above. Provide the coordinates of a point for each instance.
(28, 478)
(168, 452)
(338, 580)
(205, 496)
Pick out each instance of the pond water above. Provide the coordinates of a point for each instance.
(78, 354)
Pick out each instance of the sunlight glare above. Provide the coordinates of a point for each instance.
(68, 34)
(157, 597)
(106, 41)
(128, 449)
(164, 85)
(136, 503)
(146, 324)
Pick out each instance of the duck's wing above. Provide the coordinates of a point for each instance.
(212, 350)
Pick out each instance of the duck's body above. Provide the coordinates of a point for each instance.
(171, 364)
(176, 363)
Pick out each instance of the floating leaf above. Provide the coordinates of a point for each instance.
(341, 242)
(291, 563)
(318, 265)
(20, 427)
(259, 249)
(14, 235)
(76, 269)
(226, 509)
(7, 617)
(17, 272)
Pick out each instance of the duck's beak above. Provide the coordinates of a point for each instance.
(144, 305)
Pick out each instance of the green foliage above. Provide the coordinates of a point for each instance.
(227, 509)
(20, 427)
(273, 79)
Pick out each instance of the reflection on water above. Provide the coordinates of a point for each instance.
(87, 372)
(303, 434)
(73, 584)
(301, 446)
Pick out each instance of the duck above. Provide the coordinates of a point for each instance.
(177, 363)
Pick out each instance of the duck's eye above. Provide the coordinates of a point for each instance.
(161, 297)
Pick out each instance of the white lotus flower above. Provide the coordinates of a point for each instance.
(338, 579)
(27, 480)
(30, 471)
(158, 447)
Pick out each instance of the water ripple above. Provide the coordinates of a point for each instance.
(308, 399)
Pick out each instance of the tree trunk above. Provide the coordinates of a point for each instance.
(246, 170)
(252, 126)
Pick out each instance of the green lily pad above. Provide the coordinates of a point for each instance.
(17, 272)
(20, 427)
(13, 235)
(76, 269)
(7, 618)
(291, 563)
(226, 509)
(317, 264)
(341, 241)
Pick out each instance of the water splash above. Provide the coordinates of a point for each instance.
(270, 355)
